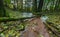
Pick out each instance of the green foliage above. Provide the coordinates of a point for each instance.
(7, 1)
(11, 28)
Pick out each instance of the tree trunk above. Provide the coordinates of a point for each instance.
(2, 10)
(15, 5)
(21, 5)
(40, 6)
(34, 5)
(57, 8)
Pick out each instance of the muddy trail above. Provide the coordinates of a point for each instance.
(36, 30)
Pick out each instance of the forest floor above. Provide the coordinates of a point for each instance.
(12, 28)
(54, 17)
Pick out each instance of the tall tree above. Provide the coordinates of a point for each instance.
(17, 3)
(39, 9)
(21, 5)
(57, 5)
(34, 5)
(14, 5)
(2, 10)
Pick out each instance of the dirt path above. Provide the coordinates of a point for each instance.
(34, 31)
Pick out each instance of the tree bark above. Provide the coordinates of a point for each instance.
(34, 5)
(2, 10)
(40, 6)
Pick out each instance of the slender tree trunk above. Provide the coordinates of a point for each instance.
(2, 10)
(17, 3)
(57, 5)
(40, 6)
(21, 3)
(34, 5)
(14, 5)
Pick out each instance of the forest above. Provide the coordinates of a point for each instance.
(29, 18)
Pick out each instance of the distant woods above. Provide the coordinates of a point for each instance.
(29, 5)
(25, 5)
(33, 5)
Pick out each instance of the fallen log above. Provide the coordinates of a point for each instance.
(5, 19)
(53, 30)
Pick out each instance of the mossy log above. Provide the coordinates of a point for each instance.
(5, 19)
